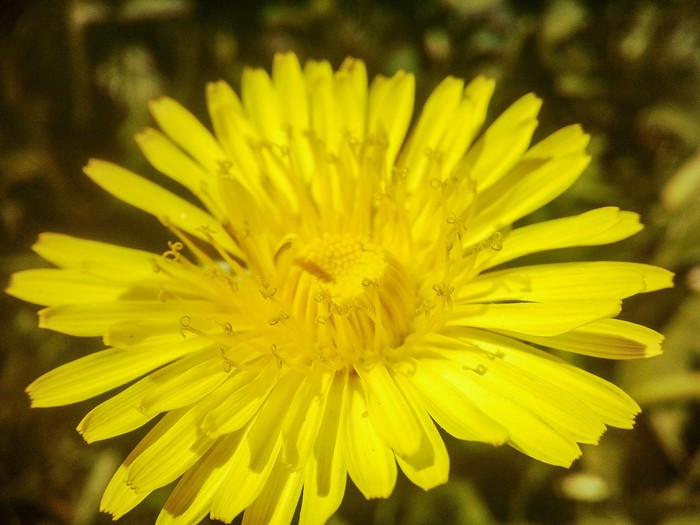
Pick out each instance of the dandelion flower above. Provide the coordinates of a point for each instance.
(336, 294)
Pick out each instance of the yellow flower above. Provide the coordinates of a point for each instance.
(336, 293)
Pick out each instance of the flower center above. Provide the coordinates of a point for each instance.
(354, 299)
(343, 266)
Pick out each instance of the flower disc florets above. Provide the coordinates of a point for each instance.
(356, 300)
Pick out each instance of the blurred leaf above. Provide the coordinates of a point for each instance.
(455, 503)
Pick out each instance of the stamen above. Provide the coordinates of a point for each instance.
(232, 262)
(267, 290)
(444, 292)
(229, 363)
(497, 241)
(204, 259)
(283, 316)
(216, 273)
(155, 266)
(164, 295)
(185, 322)
(225, 166)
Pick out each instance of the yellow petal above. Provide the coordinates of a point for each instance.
(607, 338)
(325, 473)
(100, 259)
(325, 120)
(245, 214)
(293, 93)
(52, 287)
(290, 87)
(277, 501)
(503, 143)
(585, 281)
(390, 414)
(553, 400)
(426, 136)
(120, 413)
(544, 319)
(93, 319)
(96, 373)
(191, 499)
(116, 416)
(151, 198)
(241, 485)
(220, 95)
(175, 451)
(188, 386)
(143, 334)
(370, 462)
(236, 133)
(266, 429)
(599, 226)
(351, 95)
(262, 104)
(249, 391)
(253, 462)
(527, 430)
(170, 160)
(452, 410)
(389, 109)
(304, 417)
(118, 497)
(528, 186)
(429, 466)
(612, 405)
(188, 133)
(565, 141)
(467, 120)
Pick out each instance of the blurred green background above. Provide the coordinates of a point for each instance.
(75, 76)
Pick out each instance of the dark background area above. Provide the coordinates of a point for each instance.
(75, 77)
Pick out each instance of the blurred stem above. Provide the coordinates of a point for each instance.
(683, 386)
(77, 16)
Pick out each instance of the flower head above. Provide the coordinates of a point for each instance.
(336, 292)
